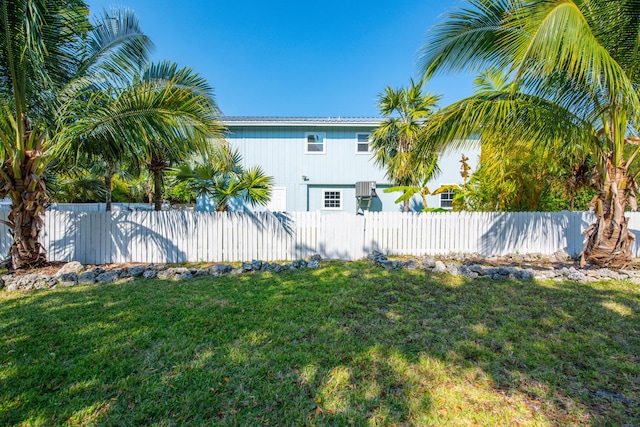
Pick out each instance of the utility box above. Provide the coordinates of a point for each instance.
(365, 192)
(365, 189)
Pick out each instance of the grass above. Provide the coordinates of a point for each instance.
(347, 344)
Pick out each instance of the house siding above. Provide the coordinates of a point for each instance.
(281, 152)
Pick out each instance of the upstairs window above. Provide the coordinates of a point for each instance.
(332, 199)
(315, 143)
(446, 199)
(362, 143)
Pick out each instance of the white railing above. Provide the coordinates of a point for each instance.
(178, 236)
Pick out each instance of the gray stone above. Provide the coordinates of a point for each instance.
(172, 273)
(186, 275)
(439, 267)
(315, 257)
(256, 264)
(561, 256)
(70, 267)
(137, 271)
(526, 274)
(466, 272)
(218, 269)
(299, 263)
(265, 266)
(452, 268)
(386, 264)
(476, 269)
(87, 278)
(236, 271)
(576, 276)
(314, 263)
(68, 279)
(605, 273)
(498, 276)
(246, 266)
(277, 268)
(149, 274)
(107, 277)
(98, 270)
(49, 282)
(28, 282)
(201, 272)
(508, 271)
(428, 262)
(412, 264)
(125, 274)
(376, 256)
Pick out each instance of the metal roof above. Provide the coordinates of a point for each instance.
(299, 121)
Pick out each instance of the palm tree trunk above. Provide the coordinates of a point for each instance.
(22, 174)
(157, 189)
(107, 184)
(609, 240)
(157, 165)
(25, 220)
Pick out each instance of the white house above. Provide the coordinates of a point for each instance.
(324, 163)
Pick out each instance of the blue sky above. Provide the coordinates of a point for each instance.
(296, 58)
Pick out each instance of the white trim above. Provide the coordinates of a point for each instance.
(324, 142)
(368, 143)
(441, 194)
(311, 121)
(333, 190)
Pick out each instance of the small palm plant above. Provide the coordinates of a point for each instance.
(222, 178)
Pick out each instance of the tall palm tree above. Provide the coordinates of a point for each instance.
(49, 53)
(405, 111)
(165, 113)
(576, 69)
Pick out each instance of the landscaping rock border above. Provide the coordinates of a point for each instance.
(74, 273)
(558, 267)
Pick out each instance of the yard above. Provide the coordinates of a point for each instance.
(347, 344)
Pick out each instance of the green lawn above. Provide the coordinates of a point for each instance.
(347, 344)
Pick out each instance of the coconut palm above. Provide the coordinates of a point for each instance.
(49, 53)
(165, 114)
(575, 69)
(405, 111)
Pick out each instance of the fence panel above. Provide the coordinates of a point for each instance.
(178, 236)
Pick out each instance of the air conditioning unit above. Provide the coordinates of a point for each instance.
(365, 189)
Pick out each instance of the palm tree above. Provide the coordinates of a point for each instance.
(575, 74)
(222, 177)
(67, 86)
(517, 177)
(169, 114)
(49, 53)
(405, 111)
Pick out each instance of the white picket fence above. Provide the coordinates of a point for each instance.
(179, 236)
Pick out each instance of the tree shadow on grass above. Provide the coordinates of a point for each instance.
(345, 344)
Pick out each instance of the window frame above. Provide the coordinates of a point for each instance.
(324, 142)
(447, 192)
(324, 198)
(368, 143)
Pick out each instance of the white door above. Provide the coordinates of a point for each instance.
(278, 202)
